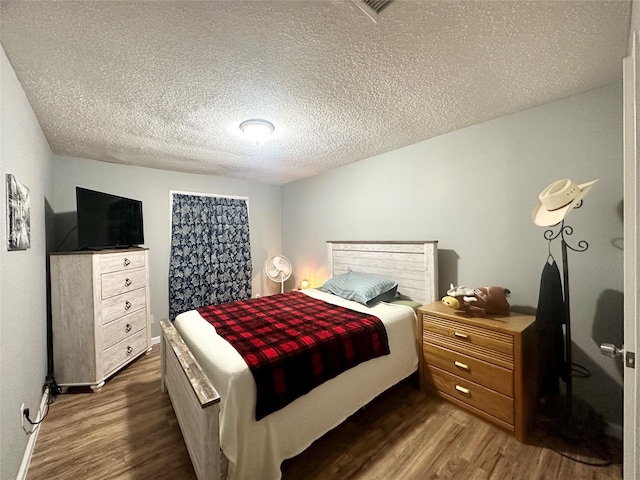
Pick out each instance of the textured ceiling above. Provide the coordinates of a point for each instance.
(165, 84)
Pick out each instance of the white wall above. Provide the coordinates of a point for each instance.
(473, 191)
(152, 187)
(25, 153)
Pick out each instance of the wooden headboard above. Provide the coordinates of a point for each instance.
(414, 264)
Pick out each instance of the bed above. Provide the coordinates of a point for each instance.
(213, 392)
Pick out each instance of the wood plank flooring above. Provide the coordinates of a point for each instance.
(128, 431)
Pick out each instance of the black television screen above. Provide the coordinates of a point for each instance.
(108, 221)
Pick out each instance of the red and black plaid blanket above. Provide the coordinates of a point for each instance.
(292, 342)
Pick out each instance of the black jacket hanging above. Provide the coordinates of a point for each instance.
(549, 320)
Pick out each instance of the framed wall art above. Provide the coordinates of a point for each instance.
(18, 215)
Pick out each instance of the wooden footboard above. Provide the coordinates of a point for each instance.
(195, 402)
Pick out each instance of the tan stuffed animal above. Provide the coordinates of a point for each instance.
(480, 301)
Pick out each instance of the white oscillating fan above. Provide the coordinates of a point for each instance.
(278, 269)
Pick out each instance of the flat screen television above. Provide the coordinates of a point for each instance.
(108, 221)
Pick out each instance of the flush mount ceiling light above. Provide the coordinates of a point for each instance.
(257, 130)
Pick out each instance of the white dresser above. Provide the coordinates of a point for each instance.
(100, 313)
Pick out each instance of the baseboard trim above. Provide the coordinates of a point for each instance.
(31, 444)
(155, 340)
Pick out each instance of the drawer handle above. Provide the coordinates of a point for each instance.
(461, 335)
(126, 262)
(461, 365)
(462, 389)
(129, 350)
(127, 282)
(127, 305)
(128, 328)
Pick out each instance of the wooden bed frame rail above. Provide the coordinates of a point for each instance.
(195, 402)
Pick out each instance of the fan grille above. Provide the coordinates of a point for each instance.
(377, 5)
(278, 268)
(373, 7)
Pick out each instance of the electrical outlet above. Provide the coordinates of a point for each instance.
(153, 320)
(22, 415)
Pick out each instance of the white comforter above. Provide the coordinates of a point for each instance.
(254, 449)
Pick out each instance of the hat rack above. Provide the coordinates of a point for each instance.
(571, 369)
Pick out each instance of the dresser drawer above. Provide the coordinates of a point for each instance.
(121, 282)
(488, 345)
(124, 327)
(124, 351)
(115, 262)
(495, 404)
(469, 334)
(123, 304)
(480, 372)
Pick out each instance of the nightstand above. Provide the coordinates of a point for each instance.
(484, 365)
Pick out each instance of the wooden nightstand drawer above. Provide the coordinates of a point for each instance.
(115, 262)
(121, 282)
(124, 351)
(493, 403)
(124, 304)
(505, 360)
(469, 334)
(478, 371)
(124, 327)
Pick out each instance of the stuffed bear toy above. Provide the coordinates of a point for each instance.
(480, 301)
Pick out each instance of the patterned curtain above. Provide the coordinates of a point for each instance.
(210, 252)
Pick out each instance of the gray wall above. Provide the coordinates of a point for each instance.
(635, 20)
(25, 153)
(152, 187)
(473, 190)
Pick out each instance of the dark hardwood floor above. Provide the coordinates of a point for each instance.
(129, 431)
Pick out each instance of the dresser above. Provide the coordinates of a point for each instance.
(100, 313)
(484, 365)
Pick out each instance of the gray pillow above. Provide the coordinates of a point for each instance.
(361, 287)
(335, 284)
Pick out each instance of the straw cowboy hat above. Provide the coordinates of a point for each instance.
(557, 200)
